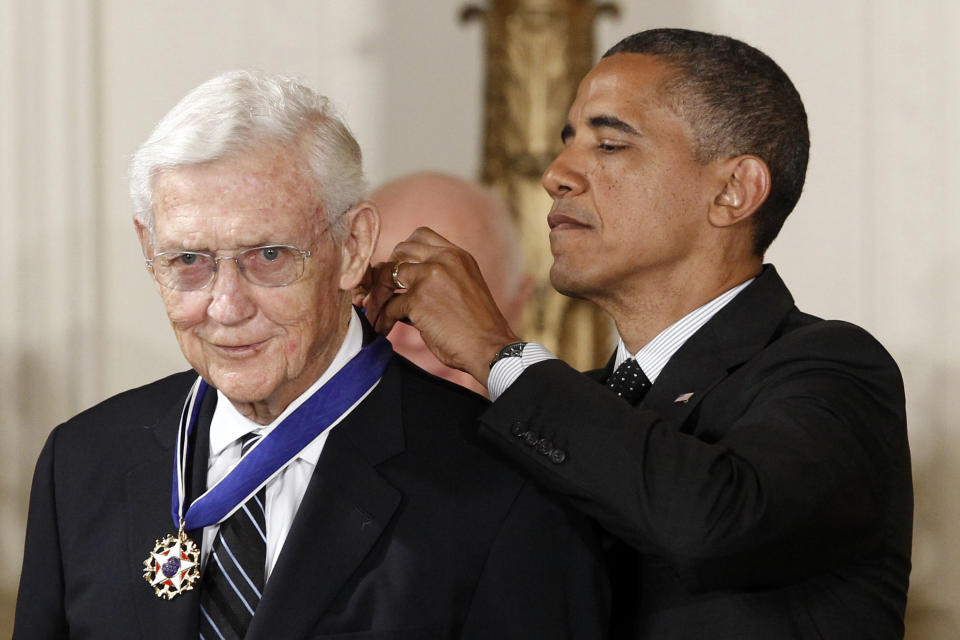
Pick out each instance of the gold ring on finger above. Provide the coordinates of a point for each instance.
(397, 283)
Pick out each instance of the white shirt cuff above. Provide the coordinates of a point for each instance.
(507, 370)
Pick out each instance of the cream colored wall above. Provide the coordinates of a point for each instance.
(874, 239)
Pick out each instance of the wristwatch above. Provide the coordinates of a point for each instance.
(512, 350)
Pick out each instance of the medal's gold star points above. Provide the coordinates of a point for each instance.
(185, 573)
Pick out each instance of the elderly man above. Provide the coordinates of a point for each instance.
(754, 469)
(470, 216)
(321, 487)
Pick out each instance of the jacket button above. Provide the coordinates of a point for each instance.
(518, 428)
(531, 438)
(544, 447)
(557, 456)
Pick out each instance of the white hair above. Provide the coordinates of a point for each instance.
(240, 111)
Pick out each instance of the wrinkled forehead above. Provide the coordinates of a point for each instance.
(252, 198)
(268, 175)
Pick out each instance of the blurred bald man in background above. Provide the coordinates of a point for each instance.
(471, 216)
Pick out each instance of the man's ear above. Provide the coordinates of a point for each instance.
(746, 186)
(144, 234)
(362, 231)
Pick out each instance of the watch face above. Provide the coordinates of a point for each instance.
(512, 350)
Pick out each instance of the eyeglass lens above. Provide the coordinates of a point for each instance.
(270, 266)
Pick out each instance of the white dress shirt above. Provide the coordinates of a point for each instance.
(285, 490)
(652, 357)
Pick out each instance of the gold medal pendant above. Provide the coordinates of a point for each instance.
(173, 566)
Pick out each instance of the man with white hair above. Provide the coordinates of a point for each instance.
(320, 486)
(470, 216)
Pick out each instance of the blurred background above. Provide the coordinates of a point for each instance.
(874, 239)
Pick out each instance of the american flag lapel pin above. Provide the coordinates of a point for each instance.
(683, 397)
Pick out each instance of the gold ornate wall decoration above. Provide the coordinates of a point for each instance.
(537, 51)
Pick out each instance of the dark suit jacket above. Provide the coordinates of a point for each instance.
(407, 529)
(774, 502)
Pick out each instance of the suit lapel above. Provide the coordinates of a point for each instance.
(733, 336)
(686, 380)
(148, 500)
(695, 376)
(344, 511)
(737, 333)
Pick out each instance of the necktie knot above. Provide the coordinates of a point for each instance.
(629, 381)
(247, 441)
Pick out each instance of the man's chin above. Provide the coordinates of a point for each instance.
(240, 388)
(562, 281)
(242, 396)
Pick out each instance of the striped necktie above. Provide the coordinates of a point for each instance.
(233, 578)
(629, 381)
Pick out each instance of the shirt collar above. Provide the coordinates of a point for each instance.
(228, 425)
(654, 355)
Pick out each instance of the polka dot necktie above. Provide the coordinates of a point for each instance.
(629, 382)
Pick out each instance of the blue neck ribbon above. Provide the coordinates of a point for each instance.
(278, 448)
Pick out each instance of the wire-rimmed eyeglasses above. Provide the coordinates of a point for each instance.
(274, 265)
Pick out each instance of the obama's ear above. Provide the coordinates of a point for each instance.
(746, 187)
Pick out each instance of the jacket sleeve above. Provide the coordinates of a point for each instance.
(543, 577)
(40, 603)
(786, 467)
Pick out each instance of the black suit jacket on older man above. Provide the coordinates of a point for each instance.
(407, 530)
(762, 489)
